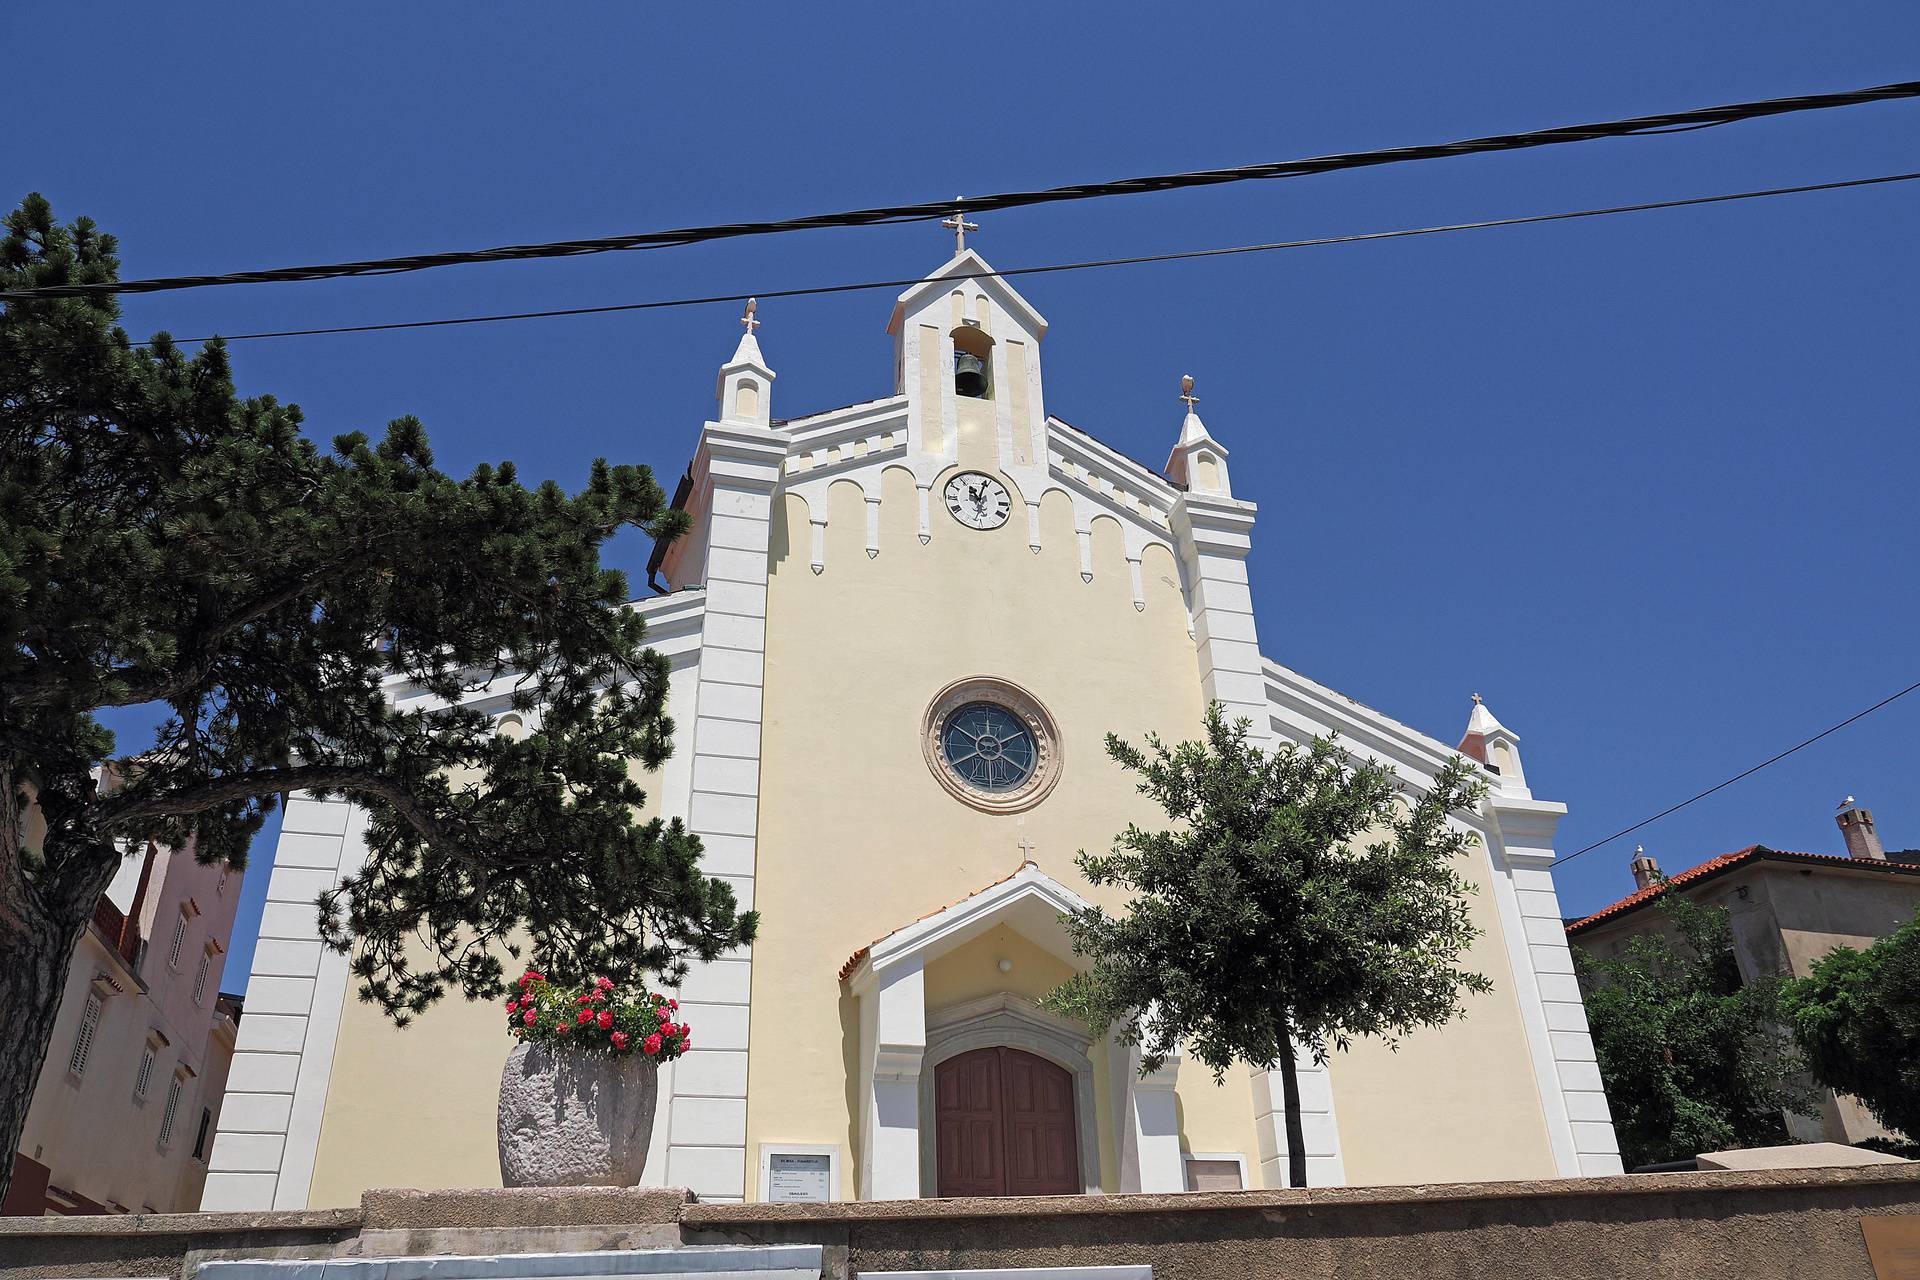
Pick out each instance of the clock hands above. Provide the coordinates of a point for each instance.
(977, 500)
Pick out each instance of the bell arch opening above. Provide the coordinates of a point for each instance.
(972, 362)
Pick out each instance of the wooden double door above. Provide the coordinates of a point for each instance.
(1004, 1126)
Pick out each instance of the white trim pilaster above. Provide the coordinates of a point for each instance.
(1579, 1123)
(894, 1026)
(737, 467)
(269, 1134)
(1213, 534)
(1149, 1130)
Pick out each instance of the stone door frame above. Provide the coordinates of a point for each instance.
(1009, 1021)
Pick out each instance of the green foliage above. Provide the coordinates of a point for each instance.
(164, 541)
(1692, 1058)
(1856, 1017)
(1294, 901)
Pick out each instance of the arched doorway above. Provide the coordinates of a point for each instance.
(1004, 1125)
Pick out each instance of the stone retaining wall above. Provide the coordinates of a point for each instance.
(1752, 1225)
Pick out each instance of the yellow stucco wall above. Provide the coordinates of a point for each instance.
(414, 1107)
(856, 836)
(1454, 1104)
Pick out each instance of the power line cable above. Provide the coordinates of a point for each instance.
(1142, 259)
(1666, 122)
(1738, 776)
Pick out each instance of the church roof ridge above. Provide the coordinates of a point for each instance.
(841, 408)
(1151, 475)
(969, 265)
(1382, 721)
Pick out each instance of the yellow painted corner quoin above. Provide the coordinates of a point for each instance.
(836, 583)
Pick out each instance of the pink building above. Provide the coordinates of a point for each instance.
(128, 1100)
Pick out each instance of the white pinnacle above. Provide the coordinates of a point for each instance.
(1482, 720)
(748, 352)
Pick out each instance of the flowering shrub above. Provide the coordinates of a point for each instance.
(597, 1017)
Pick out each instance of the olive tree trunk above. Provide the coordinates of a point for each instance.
(1290, 1094)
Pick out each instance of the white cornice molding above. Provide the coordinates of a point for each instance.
(814, 463)
(1526, 827)
(1110, 464)
(849, 421)
(673, 629)
(744, 455)
(910, 943)
(1307, 707)
(1215, 525)
(1305, 699)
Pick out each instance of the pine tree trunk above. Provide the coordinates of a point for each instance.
(36, 953)
(1290, 1093)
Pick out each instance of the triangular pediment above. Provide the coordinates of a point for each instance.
(1029, 900)
(970, 266)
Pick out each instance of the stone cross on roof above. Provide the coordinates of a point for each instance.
(960, 227)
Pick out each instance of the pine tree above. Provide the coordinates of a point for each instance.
(1298, 901)
(166, 543)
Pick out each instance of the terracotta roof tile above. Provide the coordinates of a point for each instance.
(853, 961)
(1712, 866)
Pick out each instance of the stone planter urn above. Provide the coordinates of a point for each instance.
(571, 1119)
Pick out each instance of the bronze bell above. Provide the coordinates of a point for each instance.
(969, 375)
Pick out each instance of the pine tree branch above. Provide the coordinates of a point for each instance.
(41, 685)
(215, 793)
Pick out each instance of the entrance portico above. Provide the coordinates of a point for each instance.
(1030, 1112)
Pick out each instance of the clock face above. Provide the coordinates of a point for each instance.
(977, 500)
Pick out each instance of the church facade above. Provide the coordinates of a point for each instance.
(899, 632)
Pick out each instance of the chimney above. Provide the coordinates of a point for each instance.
(1856, 827)
(1646, 872)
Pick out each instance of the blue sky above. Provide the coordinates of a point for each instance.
(1645, 482)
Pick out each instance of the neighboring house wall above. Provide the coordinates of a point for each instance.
(106, 1141)
(204, 1120)
(1785, 916)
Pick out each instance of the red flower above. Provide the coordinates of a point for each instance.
(563, 1027)
(605, 984)
(619, 1039)
(530, 1017)
(674, 1005)
(513, 1006)
(606, 1019)
(665, 1017)
(586, 1016)
(651, 1044)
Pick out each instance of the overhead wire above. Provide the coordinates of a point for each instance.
(1745, 773)
(1049, 268)
(962, 205)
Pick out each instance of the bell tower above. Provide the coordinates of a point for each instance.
(967, 359)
